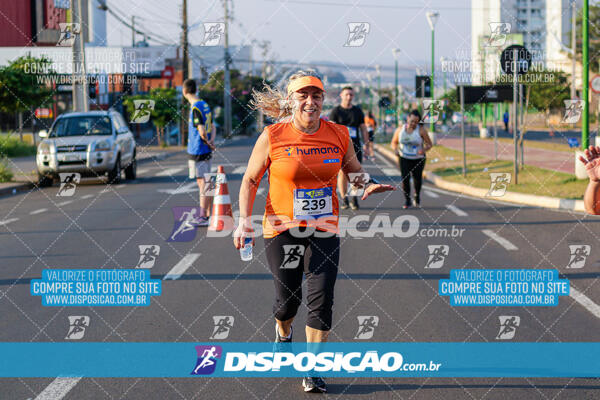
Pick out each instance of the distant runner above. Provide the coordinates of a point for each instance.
(353, 118)
(201, 139)
(371, 125)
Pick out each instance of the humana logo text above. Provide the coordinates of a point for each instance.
(369, 361)
(318, 150)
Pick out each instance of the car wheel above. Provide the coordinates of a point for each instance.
(45, 181)
(114, 175)
(131, 170)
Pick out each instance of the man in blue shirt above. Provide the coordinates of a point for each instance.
(201, 137)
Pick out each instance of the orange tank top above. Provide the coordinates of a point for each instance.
(303, 173)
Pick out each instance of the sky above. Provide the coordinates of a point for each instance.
(313, 30)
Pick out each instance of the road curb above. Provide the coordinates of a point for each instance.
(18, 187)
(509, 197)
(15, 188)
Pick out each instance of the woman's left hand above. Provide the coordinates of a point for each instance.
(376, 188)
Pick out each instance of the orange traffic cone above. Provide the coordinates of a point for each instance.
(221, 217)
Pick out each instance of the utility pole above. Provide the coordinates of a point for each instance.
(185, 72)
(574, 48)
(80, 88)
(585, 77)
(515, 112)
(133, 31)
(227, 91)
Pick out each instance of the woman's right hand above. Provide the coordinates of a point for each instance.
(244, 230)
(592, 164)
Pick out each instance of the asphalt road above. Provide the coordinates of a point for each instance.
(102, 227)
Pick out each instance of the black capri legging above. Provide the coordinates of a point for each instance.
(414, 168)
(319, 263)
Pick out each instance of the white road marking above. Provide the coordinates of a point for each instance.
(503, 242)
(384, 160)
(8, 221)
(41, 210)
(87, 196)
(58, 389)
(169, 172)
(142, 171)
(181, 266)
(431, 194)
(121, 186)
(240, 170)
(456, 210)
(391, 171)
(585, 301)
(64, 203)
(187, 188)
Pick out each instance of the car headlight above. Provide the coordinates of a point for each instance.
(44, 148)
(103, 145)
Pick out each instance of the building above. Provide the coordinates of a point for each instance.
(38, 22)
(542, 26)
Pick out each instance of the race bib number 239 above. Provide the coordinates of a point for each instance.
(312, 203)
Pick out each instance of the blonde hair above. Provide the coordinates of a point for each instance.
(275, 103)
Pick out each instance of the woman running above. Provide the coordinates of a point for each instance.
(414, 143)
(303, 156)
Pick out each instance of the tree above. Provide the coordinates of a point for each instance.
(241, 88)
(548, 90)
(165, 109)
(24, 84)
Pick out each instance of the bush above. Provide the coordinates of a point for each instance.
(6, 174)
(11, 146)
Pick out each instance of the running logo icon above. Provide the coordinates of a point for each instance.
(210, 184)
(358, 183)
(579, 254)
(508, 326)
(148, 255)
(357, 35)
(498, 183)
(292, 254)
(143, 110)
(77, 325)
(431, 111)
(573, 111)
(437, 255)
(498, 34)
(366, 326)
(289, 150)
(207, 359)
(223, 324)
(68, 31)
(185, 225)
(213, 31)
(68, 183)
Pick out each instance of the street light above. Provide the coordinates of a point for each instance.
(442, 61)
(432, 17)
(369, 78)
(378, 70)
(396, 53)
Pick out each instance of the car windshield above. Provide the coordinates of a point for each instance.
(82, 126)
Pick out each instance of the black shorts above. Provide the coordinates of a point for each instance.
(318, 263)
(357, 149)
(371, 135)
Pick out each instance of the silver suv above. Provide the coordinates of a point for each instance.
(91, 143)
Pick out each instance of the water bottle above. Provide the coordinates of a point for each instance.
(246, 250)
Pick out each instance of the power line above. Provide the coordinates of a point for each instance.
(320, 3)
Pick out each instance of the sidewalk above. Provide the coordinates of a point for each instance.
(554, 160)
